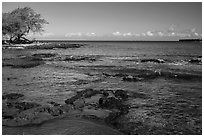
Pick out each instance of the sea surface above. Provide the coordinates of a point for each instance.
(55, 80)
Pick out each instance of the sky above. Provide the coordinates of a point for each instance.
(116, 21)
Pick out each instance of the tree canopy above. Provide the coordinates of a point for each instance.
(20, 22)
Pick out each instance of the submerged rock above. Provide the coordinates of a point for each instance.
(121, 94)
(79, 58)
(12, 96)
(153, 60)
(44, 55)
(196, 61)
(132, 78)
(23, 62)
(25, 105)
(54, 103)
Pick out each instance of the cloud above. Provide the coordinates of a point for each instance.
(127, 34)
(183, 34)
(92, 34)
(143, 34)
(117, 33)
(78, 34)
(149, 33)
(160, 33)
(136, 34)
(48, 34)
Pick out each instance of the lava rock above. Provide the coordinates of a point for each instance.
(54, 103)
(121, 94)
(72, 99)
(153, 60)
(100, 102)
(132, 78)
(79, 58)
(12, 96)
(105, 94)
(44, 55)
(111, 102)
(195, 61)
(25, 105)
(89, 92)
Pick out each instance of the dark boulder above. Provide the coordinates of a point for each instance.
(196, 61)
(121, 94)
(100, 101)
(72, 99)
(111, 102)
(105, 93)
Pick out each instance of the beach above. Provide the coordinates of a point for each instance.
(131, 88)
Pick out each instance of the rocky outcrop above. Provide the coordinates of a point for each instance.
(152, 60)
(22, 62)
(196, 61)
(80, 58)
(12, 96)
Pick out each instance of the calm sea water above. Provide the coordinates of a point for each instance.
(166, 50)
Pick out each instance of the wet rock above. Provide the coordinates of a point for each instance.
(12, 96)
(153, 60)
(101, 101)
(66, 107)
(80, 82)
(106, 74)
(196, 61)
(121, 94)
(79, 104)
(89, 92)
(79, 58)
(120, 75)
(9, 113)
(44, 55)
(111, 102)
(54, 103)
(72, 99)
(25, 105)
(132, 78)
(23, 62)
(105, 93)
(55, 111)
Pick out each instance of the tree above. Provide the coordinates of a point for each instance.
(20, 22)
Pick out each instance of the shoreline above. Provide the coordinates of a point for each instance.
(148, 95)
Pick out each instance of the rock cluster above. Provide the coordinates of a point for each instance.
(80, 58)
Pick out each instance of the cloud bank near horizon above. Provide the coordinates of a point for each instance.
(117, 35)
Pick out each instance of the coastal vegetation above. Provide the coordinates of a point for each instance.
(17, 24)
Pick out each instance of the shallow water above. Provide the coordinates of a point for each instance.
(54, 80)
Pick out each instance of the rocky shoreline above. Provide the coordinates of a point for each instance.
(149, 97)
